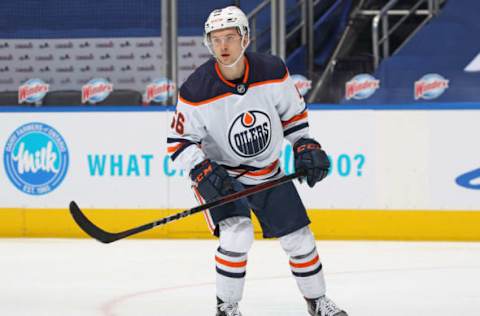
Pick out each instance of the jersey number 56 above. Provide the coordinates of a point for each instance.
(177, 122)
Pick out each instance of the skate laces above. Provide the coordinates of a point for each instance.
(326, 307)
(231, 309)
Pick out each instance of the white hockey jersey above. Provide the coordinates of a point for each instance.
(242, 125)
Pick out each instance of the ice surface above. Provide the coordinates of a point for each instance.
(70, 277)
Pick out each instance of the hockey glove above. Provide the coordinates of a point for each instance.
(310, 158)
(212, 180)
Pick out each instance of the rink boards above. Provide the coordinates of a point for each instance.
(399, 173)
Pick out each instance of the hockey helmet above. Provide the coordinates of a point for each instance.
(227, 17)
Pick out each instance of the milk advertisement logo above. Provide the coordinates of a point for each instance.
(96, 90)
(302, 84)
(159, 90)
(250, 133)
(430, 86)
(361, 87)
(32, 91)
(36, 158)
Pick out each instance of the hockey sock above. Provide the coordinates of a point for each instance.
(231, 270)
(307, 270)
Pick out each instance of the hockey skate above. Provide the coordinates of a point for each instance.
(227, 309)
(323, 306)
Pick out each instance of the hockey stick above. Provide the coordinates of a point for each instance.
(106, 237)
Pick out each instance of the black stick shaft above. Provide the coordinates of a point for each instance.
(106, 237)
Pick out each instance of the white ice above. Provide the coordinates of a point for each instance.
(63, 277)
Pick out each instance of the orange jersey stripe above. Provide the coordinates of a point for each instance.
(261, 83)
(219, 74)
(264, 171)
(247, 71)
(305, 264)
(172, 149)
(230, 264)
(231, 84)
(296, 118)
(218, 97)
(260, 172)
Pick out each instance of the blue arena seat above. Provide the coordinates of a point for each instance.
(64, 97)
(447, 46)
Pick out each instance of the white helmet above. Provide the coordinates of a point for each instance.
(227, 17)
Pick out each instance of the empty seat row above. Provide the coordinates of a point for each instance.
(73, 97)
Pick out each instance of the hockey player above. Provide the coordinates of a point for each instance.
(232, 115)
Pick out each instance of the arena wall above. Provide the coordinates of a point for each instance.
(399, 173)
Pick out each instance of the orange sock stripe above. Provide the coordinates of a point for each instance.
(305, 264)
(230, 264)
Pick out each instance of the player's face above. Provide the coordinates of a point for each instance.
(226, 45)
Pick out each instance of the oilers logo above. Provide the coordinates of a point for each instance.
(96, 90)
(36, 158)
(250, 133)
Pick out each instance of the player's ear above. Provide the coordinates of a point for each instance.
(246, 39)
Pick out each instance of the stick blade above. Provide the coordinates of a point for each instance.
(88, 227)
